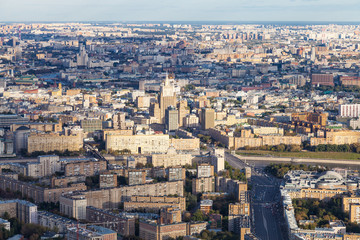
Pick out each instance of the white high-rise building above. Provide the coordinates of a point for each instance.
(349, 110)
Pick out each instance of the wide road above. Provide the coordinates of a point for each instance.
(265, 201)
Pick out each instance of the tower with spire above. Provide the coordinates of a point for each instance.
(166, 98)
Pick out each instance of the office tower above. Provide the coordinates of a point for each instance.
(191, 121)
(154, 111)
(207, 118)
(313, 54)
(349, 110)
(91, 125)
(82, 57)
(167, 98)
(119, 121)
(171, 119)
(183, 111)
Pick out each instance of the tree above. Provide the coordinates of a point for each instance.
(32, 230)
(198, 216)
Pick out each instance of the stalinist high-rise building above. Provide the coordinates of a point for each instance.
(167, 98)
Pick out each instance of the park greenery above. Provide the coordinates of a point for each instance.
(321, 212)
(29, 230)
(337, 148)
(277, 148)
(223, 235)
(280, 169)
(65, 153)
(233, 173)
(92, 182)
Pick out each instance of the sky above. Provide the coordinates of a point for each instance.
(179, 10)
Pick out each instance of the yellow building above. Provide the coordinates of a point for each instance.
(138, 144)
(311, 117)
(354, 213)
(246, 138)
(239, 208)
(185, 144)
(166, 98)
(316, 193)
(204, 184)
(183, 111)
(171, 159)
(351, 236)
(48, 142)
(338, 138)
(347, 201)
(72, 92)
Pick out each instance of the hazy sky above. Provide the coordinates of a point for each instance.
(179, 10)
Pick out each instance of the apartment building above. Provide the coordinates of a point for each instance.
(90, 233)
(123, 225)
(171, 159)
(51, 221)
(38, 194)
(203, 184)
(109, 198)
(24, 211)
(137, 177)
(47, 142)
(231, 186)
(107, 180)
(154, 203)
(45, 166)
(138, 144)
(316, 193)
(73, 206)
(87, 167)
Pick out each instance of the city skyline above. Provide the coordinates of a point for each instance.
(159, 10)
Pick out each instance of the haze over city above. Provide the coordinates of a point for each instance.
(186, 10)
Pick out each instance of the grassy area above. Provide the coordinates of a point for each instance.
(322, 155)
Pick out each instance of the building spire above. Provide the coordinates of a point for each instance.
(167, 79)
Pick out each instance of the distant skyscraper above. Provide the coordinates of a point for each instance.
(313, 54)
(154, 111)
(82, 57)
(183, 112)
(171, 119)
(207, 118)
(119, 121)
(167, 98)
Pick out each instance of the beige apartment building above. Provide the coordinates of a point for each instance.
(203, 184)
(153, 231)
(151, 203)
(138, 144)
(48, 142)
(39, 194)
(171, 159)
(354, 213)
(111, 197)
(73, 206)
(24, 211)
(248, 139)
(316, 193)
(347, 201)
(116, 222)
(338, 137)
(185, 144)
(230, 186)
(239, 208)
(87, 168)
(44, 127)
